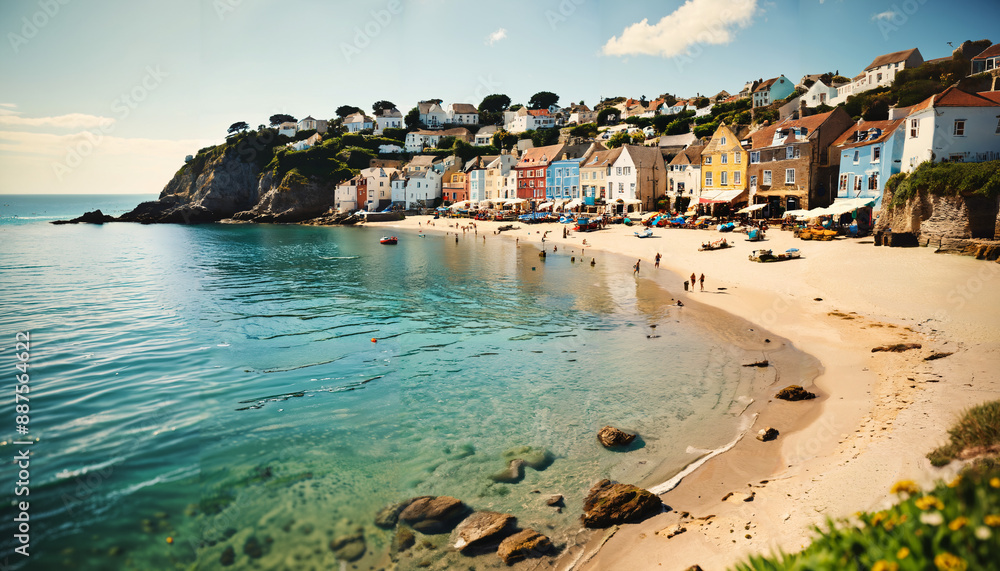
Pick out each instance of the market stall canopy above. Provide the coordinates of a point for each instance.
(649, 215)
(558, 204)
(721, 196)
(460, 205)
(574, 203)
(483, 204)
(632, 201)
(544, 206)
(845, 205)
(514, 201)
(753, 208)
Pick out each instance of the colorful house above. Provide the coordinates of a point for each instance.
(953, 125)
(723, 168)
(594, 175)
(378, 185)
(562, 178)
(791, 166)
(531, 171)
(636, 179)
(350, 194)
(870, 152)
(771, 90)
(684, 177)
(500, 181)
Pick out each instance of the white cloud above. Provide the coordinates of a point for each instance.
(695, 22)
(496, 36)
(69, 121)
(887, 15)
(45, 144)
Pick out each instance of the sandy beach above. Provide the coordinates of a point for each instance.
(877, 415)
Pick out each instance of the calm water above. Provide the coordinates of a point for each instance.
(214, 383)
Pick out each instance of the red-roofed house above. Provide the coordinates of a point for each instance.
(953, 125)
(525, 119)
(880, 72)
(870, 152)
(987, 60)
(531, 171)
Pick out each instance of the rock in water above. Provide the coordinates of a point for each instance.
(253, 548)
(95, 217)
(481, 529)
(523, 544)
(403, 540)
(554, 500)
(228, 556)
(348, 547)
(611, 436)
(535, 458)
(609, 503)
(794, 393)
(387, 517)
(433, 514)
(512, 475)
(767, 434)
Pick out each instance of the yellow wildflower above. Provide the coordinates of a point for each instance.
(992, 520)
(905, 486)
(958, 523)
(903, 553)
(954, 483)
(885, 566)
(948, 562)
(995, 482)
(928, 502)
(878, 518)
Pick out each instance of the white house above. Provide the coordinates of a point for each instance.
(288, 129)
(818, 94)
(636, 178)
(580, 114)
(388, 119)
(310, 124)
(684, 176)
(484, 137)
(379, 186)
(674, 109)
(431, 114)
(422, 189)
(389, 149)
(881, 72)
(304, 144)
(525, 119)
(420, 139)
(398, 185)
(462, 114)
(358, 122)
(346, 194)
(953, 125)
(501, 179)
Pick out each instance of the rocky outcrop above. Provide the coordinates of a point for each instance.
(387, 517)
(794, 393)
(482, 529)
(293, 198)
(951, 223)
(611, 437)
(433, 514)
(95, 217)
(610, 503)
(522, 545)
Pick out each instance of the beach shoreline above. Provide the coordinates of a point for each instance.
(878, 413)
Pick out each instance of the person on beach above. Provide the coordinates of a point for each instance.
(656, 263)
(702, 281)
(635, 268)
(693, 280)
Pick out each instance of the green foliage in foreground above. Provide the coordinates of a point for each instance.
(946, 179)
(977, 431)
(953, 527)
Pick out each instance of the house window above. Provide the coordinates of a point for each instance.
(857, 156)
(914, 127)
(876, 154)
(789, 176)
(843, 182)
(723, 178)
(619, 171)
(627, 170)
(998, 127)
(708, 160)
(857, 183)
(736, 177)
(737, 158)
(722, 141)
(725, 158)
(766, 180)
(708, 179)
(754, 157)
(873, 181)
(789, 152)
(959, 128)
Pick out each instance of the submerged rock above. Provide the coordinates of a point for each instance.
(228, 556)
(794, 393)
(387, 517)
(534, 458)
(349, 547)
(610, 503)
(403, 540)
(523, 544)
(253, 548)
(610, 436)
(433, 514)
(767, 434)
(512, 475)
(554, 500)
(482, 528)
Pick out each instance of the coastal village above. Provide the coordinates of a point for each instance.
(825, 144)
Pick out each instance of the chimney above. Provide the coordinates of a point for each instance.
(802, 107)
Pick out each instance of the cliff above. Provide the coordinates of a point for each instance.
(289, 198)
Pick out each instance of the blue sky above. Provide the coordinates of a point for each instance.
(108, 97)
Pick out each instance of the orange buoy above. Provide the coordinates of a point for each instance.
(374, 340)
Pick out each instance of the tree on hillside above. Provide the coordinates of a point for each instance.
(279, 118)
(412, 118)
(380, 105)
(618, 139)
(504, 140)
(494, 103)
(345, 110)
(491, 118)
(543, 100)
(586, 131)
(607, 116)
(638, 138)
(545, 137)
(238, 127)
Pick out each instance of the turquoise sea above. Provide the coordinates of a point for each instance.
(221, 385)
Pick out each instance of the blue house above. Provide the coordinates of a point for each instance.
(774, 89)
(870, 152)
(562, 179)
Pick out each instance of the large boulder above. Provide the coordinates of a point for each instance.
(610, 503)
(523, 544)
(482, 529)
(512, 475)
(387, 517)
(535, 458)
(794, 393)
(610, 437)
(433, 514)
(349, 547)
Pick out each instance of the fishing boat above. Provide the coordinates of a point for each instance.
(388, 240)
(587, 225)
(767, 256)
(755, 235)
(647, 233)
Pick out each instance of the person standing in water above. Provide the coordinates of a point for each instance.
(656, 262)
(635, 268)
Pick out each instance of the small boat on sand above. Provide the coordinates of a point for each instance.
(767, 256)
(388, 240)
(716, 245)
(647, 233)
(585, 225)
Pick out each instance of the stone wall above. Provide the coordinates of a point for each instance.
(964, 224)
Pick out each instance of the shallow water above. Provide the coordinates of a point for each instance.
(219, 382)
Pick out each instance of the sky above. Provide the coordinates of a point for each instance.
(109, 96)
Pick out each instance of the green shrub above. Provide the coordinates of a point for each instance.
(946, 179)
(977, 430)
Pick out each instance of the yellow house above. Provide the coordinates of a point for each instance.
(724, 169)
